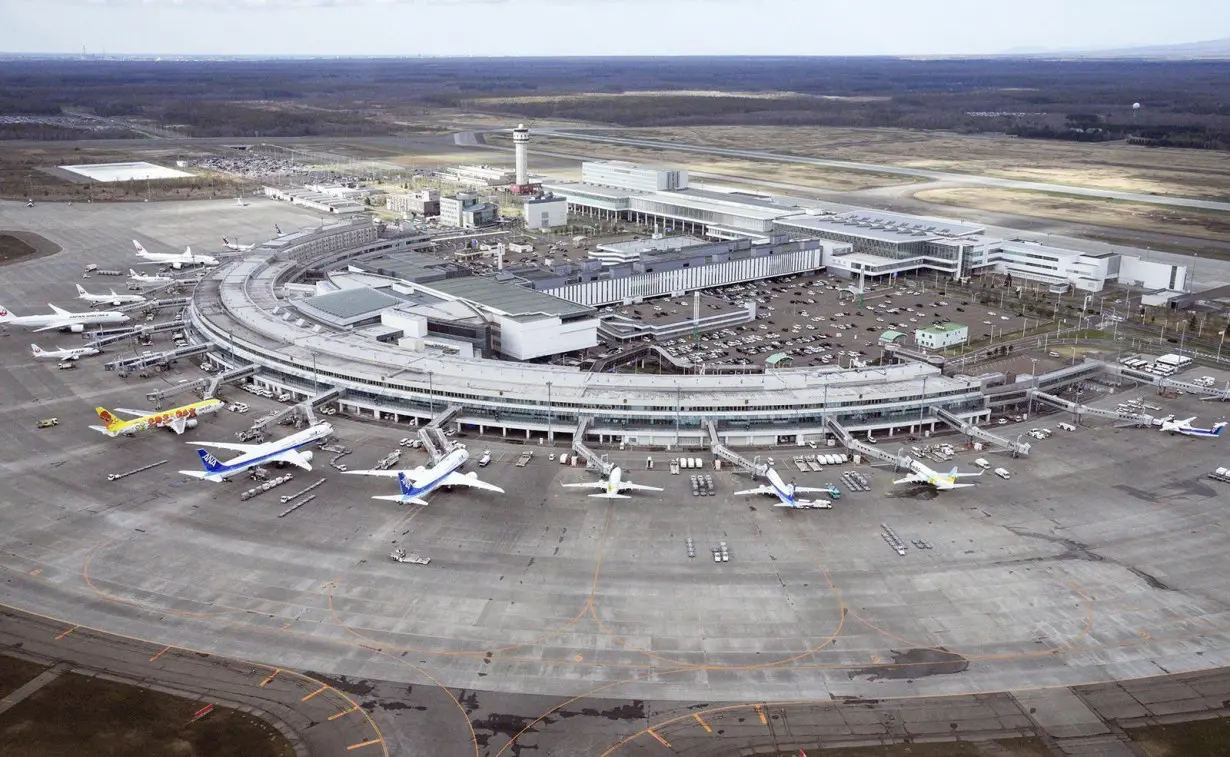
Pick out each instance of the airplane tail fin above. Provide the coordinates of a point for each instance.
(111, 423)
(132, 274)
(36, 350)
(5, 315)
(1218, 428)
(209, 462)
(137, 244)
(81, 291)
(278, 229)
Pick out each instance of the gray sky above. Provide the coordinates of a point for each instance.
(600, 27)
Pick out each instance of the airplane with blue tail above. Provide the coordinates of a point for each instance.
(787, 493)
(1186, 428)
(417, 483)
(288, 451)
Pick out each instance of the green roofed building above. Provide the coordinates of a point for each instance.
(779, 360)
(891, 337)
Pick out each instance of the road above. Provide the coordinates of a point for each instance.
(922, 173)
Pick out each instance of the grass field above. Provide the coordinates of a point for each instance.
(1200, 738)
(808, 176)
(1125, 215)
(999, 748)
(1188, 173)
(15, 673)
(76, 715)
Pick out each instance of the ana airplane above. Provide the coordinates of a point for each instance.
(176, 260)
(178, 419)
(61, 353)
(1186, 428)
(237, 247)
(144, 279)
(418, 483)
(613, 486)
(287, 451)
(62, 319)
(108, 299)
(942, 482)
(786, 493)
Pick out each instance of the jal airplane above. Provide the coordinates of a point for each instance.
(108, 299)
(176, 260)
(1186, 428)
(62, 319)
(151, 279)
(418, 483)
(178, 419)
(61, 353)
(237, 247)
(613, 486)
(786, 493)
(942, 482)
(287, 451)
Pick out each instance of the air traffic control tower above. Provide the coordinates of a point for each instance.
(521, 144)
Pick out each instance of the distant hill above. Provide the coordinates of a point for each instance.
(1213, 48)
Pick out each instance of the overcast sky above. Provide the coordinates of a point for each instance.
(601, 27)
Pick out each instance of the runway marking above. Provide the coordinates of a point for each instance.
(272, 676)
(321, 690)
(702, 722)
(361, 744)
(760, 711)
(165, 649)
(658, 736)
(66, 633)
(337, 715)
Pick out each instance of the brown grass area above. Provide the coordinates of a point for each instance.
(1200, 738)
(1125, 215)
(999, 747)
(1189, 173)
(790, 173)
(78, 715)
(15, 673)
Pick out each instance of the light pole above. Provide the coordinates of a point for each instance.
(431, 394)
(1223, 341)
(550, 436)
(1034, 375)
(678, 410)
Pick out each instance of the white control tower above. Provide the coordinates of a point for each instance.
(521, 143)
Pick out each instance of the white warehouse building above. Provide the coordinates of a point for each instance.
(633, 176)
(545, 212)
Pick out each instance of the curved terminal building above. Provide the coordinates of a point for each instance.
(241, 308)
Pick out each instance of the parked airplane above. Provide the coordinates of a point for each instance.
(176, 260)
(61, 353)
(786, 492)
(419, 482)
(1186, 428)
(237, 247)
(108, 299)
(178, 419)
(613, 486)
(286, 450)
(151, 279)
(62, 319)
(942, 482)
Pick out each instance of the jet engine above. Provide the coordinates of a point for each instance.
(177, 266)
(472, 474)
(307, 455)
(191, 423)
(77, 328)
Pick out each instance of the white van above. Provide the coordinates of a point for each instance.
(981, 463)
(1003, 473)
(1067, 427)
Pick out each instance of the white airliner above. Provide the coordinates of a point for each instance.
(108, 299)
(1186, 428)
(614, 485)
(286, 450)
(150, 279)
(237, 247)
(942, 482)
(176, 260)
(62, 354)
(419, 482)
(786, 493)
(62, 319)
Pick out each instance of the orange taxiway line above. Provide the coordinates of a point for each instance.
(165, 649)
(361, 744)
(658, 736)
(66, 633)
(337, 715)
(272, 676)
(702, 722)
(321, 690)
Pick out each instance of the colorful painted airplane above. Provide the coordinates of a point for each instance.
(178, 419)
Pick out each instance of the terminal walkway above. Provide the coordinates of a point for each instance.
(726, 453)
(1136, 419)
(155, 358)
(591, 458)
(972, 431)
(305, 408)
(868, 450)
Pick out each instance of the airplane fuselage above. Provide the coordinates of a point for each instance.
(166, 418)
(62, 354)
(434, 475)
(75, 322)
(263, 453)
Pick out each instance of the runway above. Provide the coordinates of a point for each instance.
(1100, 560)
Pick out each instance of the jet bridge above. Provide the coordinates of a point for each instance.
(118, 335)
(729, 455)
(1137, 419)
(177, 389)
(305, 407)
(444, 416)
(228, 376)
(155, 358)
(869, 450)
(435, 442)
(1209, 392)
(592, 459)
(972, 431)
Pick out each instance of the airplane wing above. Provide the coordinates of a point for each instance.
(179, 425)
(915, 479)
(458, 479)
(957, 486)
(798, 489)
(971, 475)
(1186, 421)
(134, 413)
(58, 311)
(226, 445)
(588, 485)
(50, 326)
(759, 490)
(639, 487)
(292, 457)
